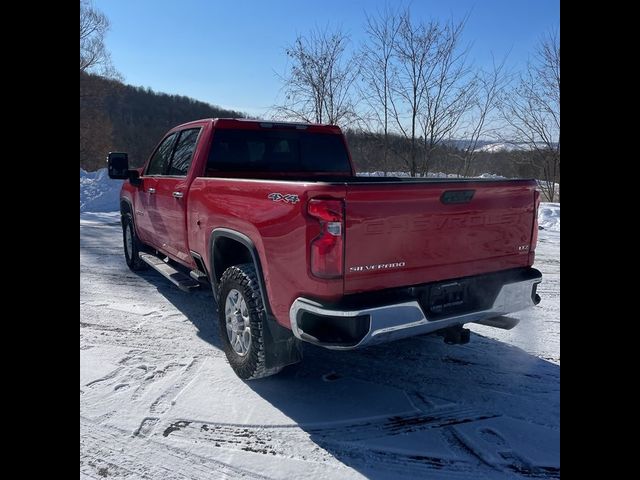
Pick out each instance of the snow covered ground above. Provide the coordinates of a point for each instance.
(158, 399)
(549, 216)
(98, 193)
(502, 147)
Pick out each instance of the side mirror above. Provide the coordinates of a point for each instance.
(118, 165)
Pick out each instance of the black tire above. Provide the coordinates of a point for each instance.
(132, 248)
(251, 364)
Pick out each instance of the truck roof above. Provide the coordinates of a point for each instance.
(257, 124)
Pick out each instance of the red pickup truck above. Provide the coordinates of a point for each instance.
(297, 248)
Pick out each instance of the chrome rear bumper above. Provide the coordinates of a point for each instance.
(395, 321)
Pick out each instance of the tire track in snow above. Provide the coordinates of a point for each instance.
(164, 401)
(103, 449)
(293, 443)
(286, 440)
(517, 464)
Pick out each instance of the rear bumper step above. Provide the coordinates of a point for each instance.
(347, 329)
(179, 279)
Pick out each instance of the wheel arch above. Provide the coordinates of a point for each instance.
(126, 206)
(285, 348)
(229, 247)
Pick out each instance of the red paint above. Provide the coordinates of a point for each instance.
(403, 232)
(387, 224)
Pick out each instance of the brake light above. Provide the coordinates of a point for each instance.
(327, 249)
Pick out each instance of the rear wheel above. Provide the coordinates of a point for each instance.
(132, 244)
(242, 321)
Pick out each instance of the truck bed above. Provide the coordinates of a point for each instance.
(397, 231)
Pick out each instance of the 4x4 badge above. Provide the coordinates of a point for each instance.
(287, 197)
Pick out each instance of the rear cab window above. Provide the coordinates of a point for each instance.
(277, 151)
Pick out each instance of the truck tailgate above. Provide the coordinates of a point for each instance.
(401, 234)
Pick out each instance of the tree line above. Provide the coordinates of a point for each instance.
(368, 155)
(409, 99)
(411, 89)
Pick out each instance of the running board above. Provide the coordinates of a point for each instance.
(179, 279)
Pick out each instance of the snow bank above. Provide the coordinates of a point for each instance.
(98, 193)
(549, 216)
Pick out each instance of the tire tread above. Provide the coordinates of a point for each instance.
(254, 366)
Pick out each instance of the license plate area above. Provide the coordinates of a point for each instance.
(447, 297)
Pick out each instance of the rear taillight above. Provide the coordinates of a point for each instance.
(327, 257)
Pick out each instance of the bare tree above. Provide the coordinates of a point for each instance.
(94, 57)
(415, 51)
(376, 73)
(95, 124)
(318, 87)
(532, 110)
(450, 90)
(489, 85)
(432, 86)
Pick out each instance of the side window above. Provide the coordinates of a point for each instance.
(160, 160)
(183, 153)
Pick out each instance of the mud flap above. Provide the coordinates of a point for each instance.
(281, 347)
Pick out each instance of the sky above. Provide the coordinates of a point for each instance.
(229, 52)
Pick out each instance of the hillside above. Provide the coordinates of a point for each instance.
(118, 117)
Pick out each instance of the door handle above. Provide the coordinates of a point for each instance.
(178, 194)
(151, 190)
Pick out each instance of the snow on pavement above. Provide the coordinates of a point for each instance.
(158, 399)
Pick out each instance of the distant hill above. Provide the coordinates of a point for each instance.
(118, 117)
(503, 147)
(488, 145)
